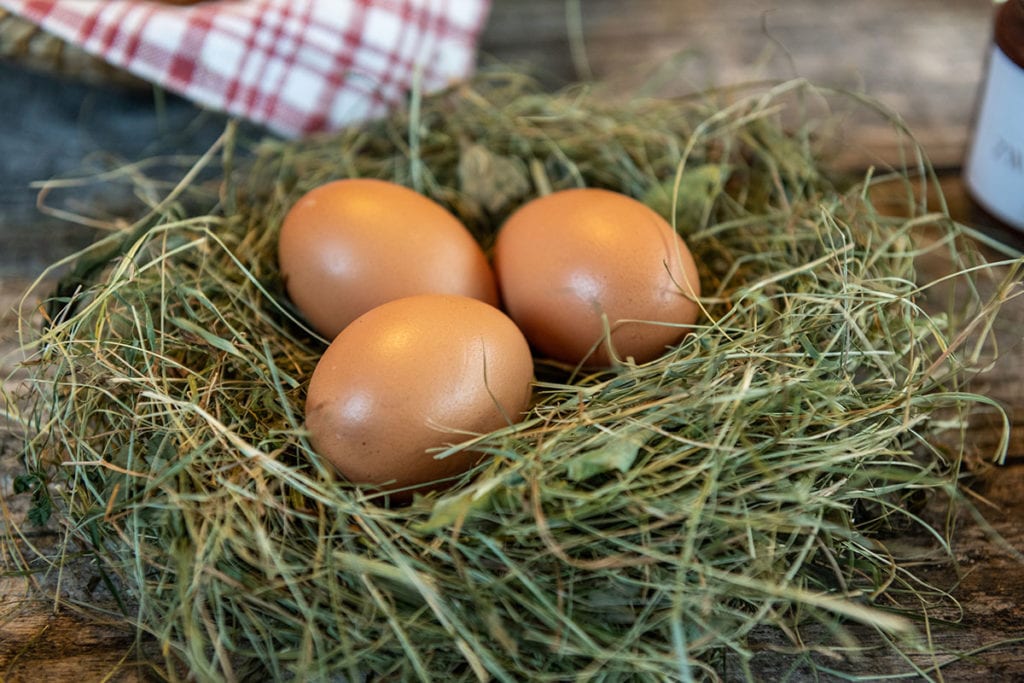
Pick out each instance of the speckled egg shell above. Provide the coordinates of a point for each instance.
(575, 263)
(411, 375)
(350, 245)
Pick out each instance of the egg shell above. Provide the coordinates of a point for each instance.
(415, 374)
(350, 245)
(575, 261)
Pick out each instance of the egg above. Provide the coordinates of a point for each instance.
(576, 264)
(412, 375)
(350, 245)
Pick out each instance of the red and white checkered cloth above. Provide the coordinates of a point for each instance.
(296, 66)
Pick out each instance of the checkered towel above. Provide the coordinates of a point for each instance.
(296, 66)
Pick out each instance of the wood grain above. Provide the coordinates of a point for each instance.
(38, 645)
(923, 59)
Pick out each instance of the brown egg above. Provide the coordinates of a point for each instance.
(350, 245)
(573, 262)
(415, 374)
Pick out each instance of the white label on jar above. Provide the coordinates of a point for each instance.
(995, 165)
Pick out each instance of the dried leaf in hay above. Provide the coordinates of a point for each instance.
(641, 523)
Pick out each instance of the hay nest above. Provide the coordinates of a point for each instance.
(642, 523)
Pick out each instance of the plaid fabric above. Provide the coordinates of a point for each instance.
(296, 66)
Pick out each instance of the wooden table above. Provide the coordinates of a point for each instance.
(922, 58)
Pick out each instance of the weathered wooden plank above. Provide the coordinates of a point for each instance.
(38, 645)
(922, 59)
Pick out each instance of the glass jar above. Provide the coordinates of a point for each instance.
(994, 168)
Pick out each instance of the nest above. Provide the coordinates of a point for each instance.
(645, 522)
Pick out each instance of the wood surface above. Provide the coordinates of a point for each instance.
(921, 58)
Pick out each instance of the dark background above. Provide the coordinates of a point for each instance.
(56, 127)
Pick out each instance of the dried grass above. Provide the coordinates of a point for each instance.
(641, 524)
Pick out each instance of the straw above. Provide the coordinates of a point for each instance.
(642, 523)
